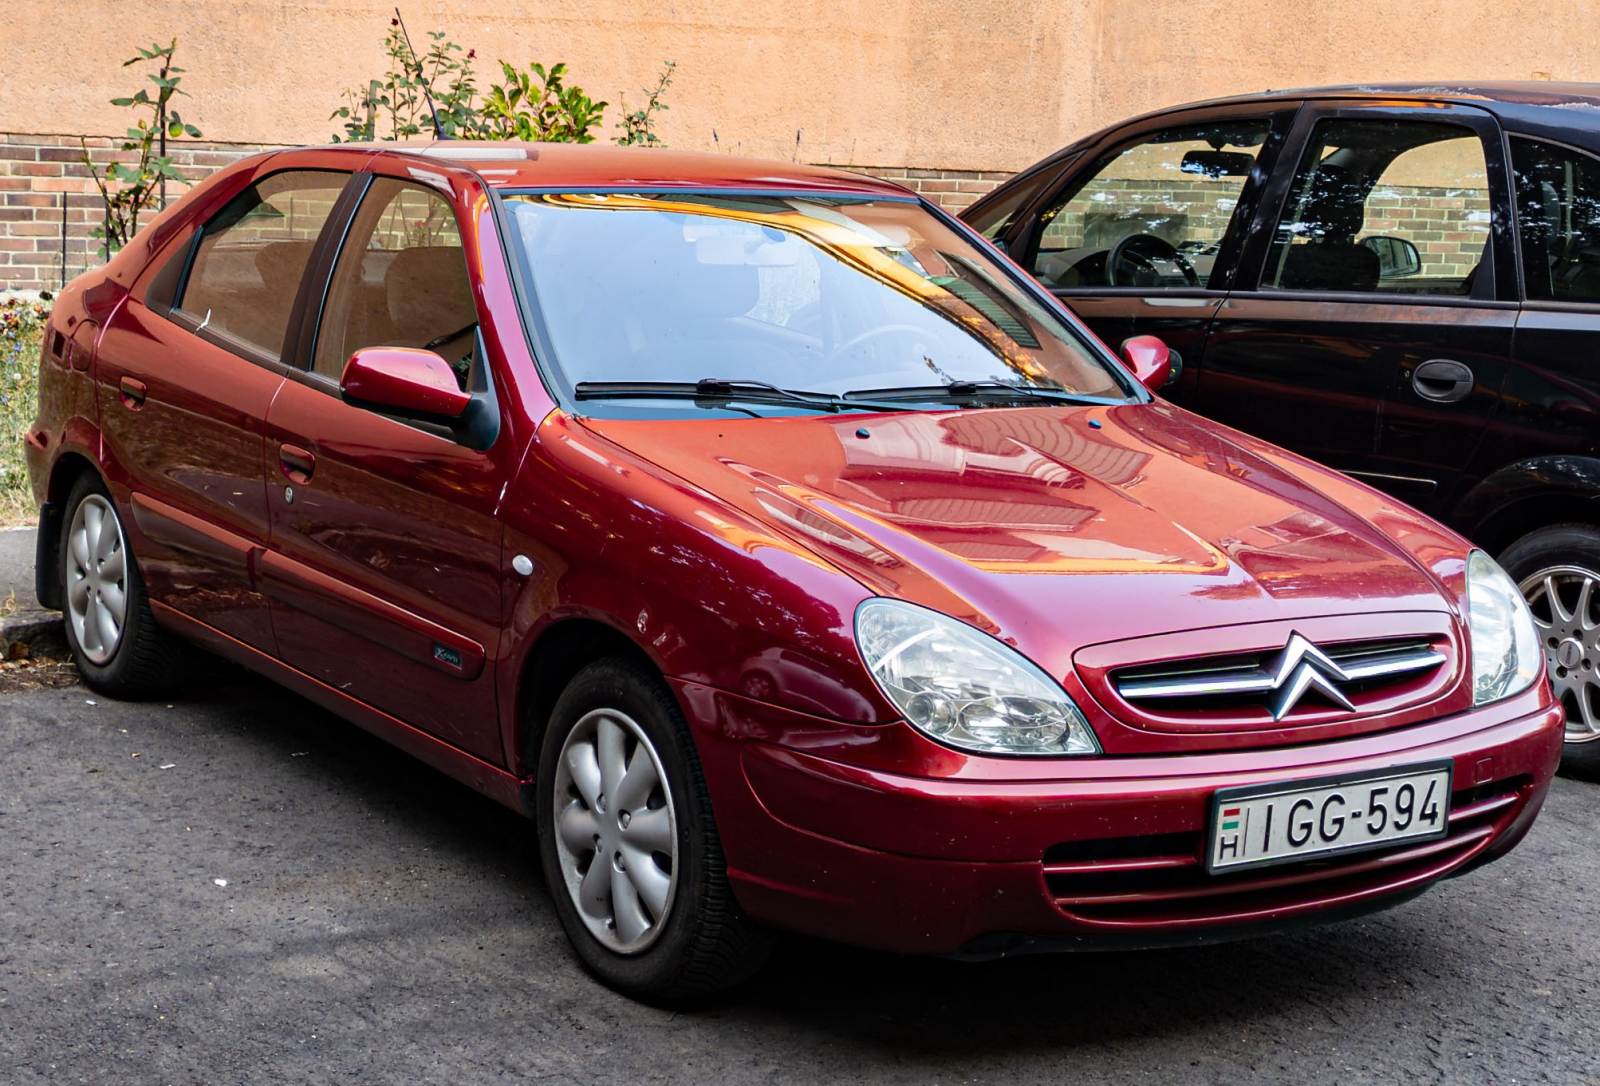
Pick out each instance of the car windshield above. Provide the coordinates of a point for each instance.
(706, 298)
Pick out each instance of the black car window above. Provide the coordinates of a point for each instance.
(252, 255)
(1384, 206)
(1558, 219)
(1154, 213)
(401, 281)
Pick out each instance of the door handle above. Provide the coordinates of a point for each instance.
(298, 464)
(132, 390)
(1442, 380)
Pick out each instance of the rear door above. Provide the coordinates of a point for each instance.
(384, 570)
(1142, 235)
(1370, 326)
(186, 371)
(1551, 406)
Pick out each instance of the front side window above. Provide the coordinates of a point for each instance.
(1558, 219)
(1152, 215)
(252, 256)
(1393, 206)
(401, 281)
(995, 217)
(831, 295)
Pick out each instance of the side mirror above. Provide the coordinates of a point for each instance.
(1150, 359)
(1397, 257)
(406, 381)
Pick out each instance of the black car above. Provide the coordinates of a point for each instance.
(1402, 282)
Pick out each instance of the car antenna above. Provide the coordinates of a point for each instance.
(433, 110)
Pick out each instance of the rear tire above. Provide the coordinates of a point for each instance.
(1558, 569)
(119, 649)
(619, 784)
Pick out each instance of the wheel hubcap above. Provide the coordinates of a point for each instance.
(1566, 609)
(616, 832)
(97, 587)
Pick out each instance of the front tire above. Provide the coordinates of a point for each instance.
(119, 649)
(1558, 570)
(628, 844)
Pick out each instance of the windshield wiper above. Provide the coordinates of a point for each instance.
(998, 391)
(716, 388)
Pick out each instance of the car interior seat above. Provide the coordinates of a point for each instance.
(428, 302)
(1332, 214)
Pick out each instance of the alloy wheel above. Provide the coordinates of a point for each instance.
(97, 582)
(616, 831)
(1566, 610)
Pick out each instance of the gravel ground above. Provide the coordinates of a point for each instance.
(238, 887)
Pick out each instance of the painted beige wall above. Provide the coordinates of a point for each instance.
(958, 84)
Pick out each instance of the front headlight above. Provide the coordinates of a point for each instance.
(1505, 646)
(964, 688)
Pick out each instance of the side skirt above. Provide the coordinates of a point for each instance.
(493, 781)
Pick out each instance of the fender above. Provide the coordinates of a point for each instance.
(79, 437)
(1563, 487)
(675, 571)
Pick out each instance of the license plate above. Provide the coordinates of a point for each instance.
(1261, 825)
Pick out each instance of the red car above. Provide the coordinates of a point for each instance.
(791, 558)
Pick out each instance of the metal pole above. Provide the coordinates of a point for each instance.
(63, 241)
(163, 137)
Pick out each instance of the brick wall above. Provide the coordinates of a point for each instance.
(953, 190)
(1448, 226)
(43, 176)
(40, 176)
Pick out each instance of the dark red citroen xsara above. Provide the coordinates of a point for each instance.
(785, 553)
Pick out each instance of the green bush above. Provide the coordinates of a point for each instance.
(537, 104)
(21, 326)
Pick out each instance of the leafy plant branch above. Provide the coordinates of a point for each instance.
(128, 188)
(638, 127)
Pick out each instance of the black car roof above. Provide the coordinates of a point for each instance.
(1567, 112)
(1534, 107)
(1504, 93)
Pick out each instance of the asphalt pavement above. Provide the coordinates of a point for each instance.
(235, 886)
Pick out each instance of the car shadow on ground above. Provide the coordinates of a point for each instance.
(876, 1000)
(1582, 762)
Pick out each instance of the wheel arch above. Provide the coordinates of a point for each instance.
(1529, 495)
(554, 656)
(70, 466)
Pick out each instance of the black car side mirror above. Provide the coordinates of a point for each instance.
(1397, 257)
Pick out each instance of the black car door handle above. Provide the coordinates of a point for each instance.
(1442, 380)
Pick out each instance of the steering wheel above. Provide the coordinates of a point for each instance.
(879, 332)
(1143, 252)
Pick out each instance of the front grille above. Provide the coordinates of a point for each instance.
(1261, 681)
(1128, 883)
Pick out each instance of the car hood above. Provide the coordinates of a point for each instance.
(1093, 523)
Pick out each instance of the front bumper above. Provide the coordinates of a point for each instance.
(987, 855)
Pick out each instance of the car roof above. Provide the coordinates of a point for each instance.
(1496, 97)
(1561, 111)
(1566, 112)
(514, 165)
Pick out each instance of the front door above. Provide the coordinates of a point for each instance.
(1142, 238)
(384, 569)
(1370, 325)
